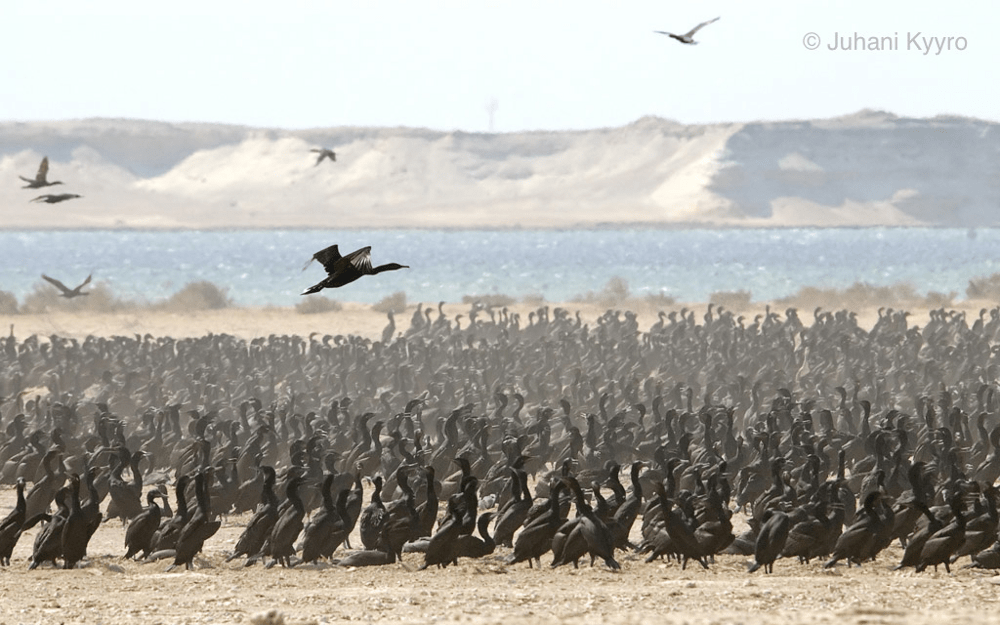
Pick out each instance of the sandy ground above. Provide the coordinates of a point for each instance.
(358, 319)
(112, 591)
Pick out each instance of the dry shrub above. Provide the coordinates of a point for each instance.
(8, 303)
(395, 302)
(659, 300)
(861, 295)
(984, 288)
(733, 300)
(614, 292)
(534, 299)
(496, 300)
(317, 304)
(201, 295)
(99, 299)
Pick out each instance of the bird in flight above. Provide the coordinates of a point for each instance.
(324, 153)
(66, 291)
(346, 269)
(40, 180)
(49, 198)
(687, 37)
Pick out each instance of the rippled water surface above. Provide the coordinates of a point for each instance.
(265, 267)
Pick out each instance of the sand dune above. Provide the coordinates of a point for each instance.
(870, 168)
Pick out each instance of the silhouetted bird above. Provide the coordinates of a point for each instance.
(66, 291)
(50, 198)
(324, 153)
(40, 179)
(687, 37)
(346, 269)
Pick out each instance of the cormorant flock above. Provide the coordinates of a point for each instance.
(533, 441)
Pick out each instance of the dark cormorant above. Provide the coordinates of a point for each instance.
(944, 542)
(40, 180)
(50, 198)
(199, 527)
(289, 525)
(139, 535)
(687, 37)
(770, 540)
(536, 537)
(427, 511)
(346, 269)
(166, 536)
(324, 533)
(66, 291)
(262, 522)
(75, 530)
(10, 527)
(324, 153)
(514, 514)
(469, 546)
(373, 517)
(48, 543)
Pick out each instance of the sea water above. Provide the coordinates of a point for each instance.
(264, 267)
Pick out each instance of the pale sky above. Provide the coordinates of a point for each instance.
(546, 64)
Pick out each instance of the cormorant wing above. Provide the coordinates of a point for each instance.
(86, 282)
(663, 32)
(59, 285)
(43, 169)
(326, 257)
(361, 259)
(700, 26)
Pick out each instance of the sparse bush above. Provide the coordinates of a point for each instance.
(98, 299)
(395, 302)
(317, 304)
(534, 299)
(614, 292)
(861, 295)
(8, 303)
(659, 300)
(940, 300)
(201, 295)
(733, 300)
(984, 288)
(496, 300)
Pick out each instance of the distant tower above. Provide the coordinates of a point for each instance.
(491, 109)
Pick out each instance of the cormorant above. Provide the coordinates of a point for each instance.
(50, 198)
(346, 269)
(373, 517)
(324, 153)
(687, 37)
(282, 541)
(75, 530)
(10, 527)
(40, 180)
(139, 535)
(251, 541)
(199, 527)
(771, 540)
(66, 291)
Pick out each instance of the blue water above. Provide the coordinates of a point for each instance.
(265, 267)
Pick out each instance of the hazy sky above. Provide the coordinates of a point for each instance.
(546, 65)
